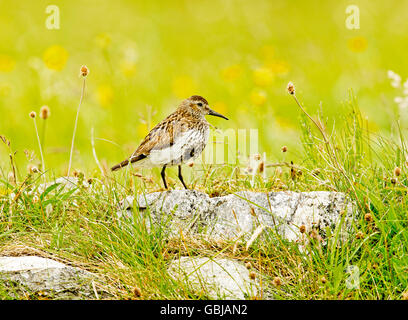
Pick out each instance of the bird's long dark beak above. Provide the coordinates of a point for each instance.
(213, 113)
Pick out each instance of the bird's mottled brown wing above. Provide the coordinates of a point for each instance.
(161, 136)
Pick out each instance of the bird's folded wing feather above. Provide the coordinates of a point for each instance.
(163, 135)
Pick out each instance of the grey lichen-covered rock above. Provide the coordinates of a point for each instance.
(37, 274)
(184, 210)
(215, 278)
(238, 215)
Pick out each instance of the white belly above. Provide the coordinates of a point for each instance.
(186, 147)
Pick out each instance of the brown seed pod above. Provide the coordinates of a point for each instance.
(291, 88)
(45, 112)
(368, 217)
(277, 282)
(84, 71)
(137, 292)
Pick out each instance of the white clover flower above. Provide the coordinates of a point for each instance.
(396, 79)
(405, 85)
(402, 102)
(396, 83)
(398, 100)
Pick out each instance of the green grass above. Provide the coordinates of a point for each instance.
(82, 226)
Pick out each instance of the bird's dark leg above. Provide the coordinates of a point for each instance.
(163, 175)
(181, 177)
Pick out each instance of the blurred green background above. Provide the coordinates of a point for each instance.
(146, 56)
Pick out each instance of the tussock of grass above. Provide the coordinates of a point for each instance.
(82, 226)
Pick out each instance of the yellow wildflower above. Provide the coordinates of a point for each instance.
(128, 68)
(105, 95)
(263, 77)
(231, 73)
(103, 40)
(258, 97)
(6, 63)
(278, 66)
(357, 44)
(183, 87)
(55, 57)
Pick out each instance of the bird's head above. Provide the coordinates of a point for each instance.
(198, 106)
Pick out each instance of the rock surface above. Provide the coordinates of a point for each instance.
(47, 276)
(215, 278)
(238, 215)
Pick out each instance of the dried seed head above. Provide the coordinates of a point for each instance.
(5, 141)
(261, 167)
(191, 164)
(257, 157)
(32, 168)
(315, 235)
(284, 148)
(76, 173)
(32, 114)
(10, 176)
(302, 228)
(291, 88)
(248, 265)
(84, 71)
(45, 112)
(397, 171)
(36, 199)
(253, 212)
(393, 180)
(323, 280)
(368, 217)
(252, 275)
(277, 282)
(316, 172)
(137, 292)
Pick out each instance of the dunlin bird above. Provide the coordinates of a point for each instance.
(179, 138)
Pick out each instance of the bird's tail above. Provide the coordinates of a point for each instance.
(124, 163)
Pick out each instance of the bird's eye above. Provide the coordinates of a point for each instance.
(199, 104)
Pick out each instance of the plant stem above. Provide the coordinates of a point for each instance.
(330, 149)
(39, 145)
(75, 126)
